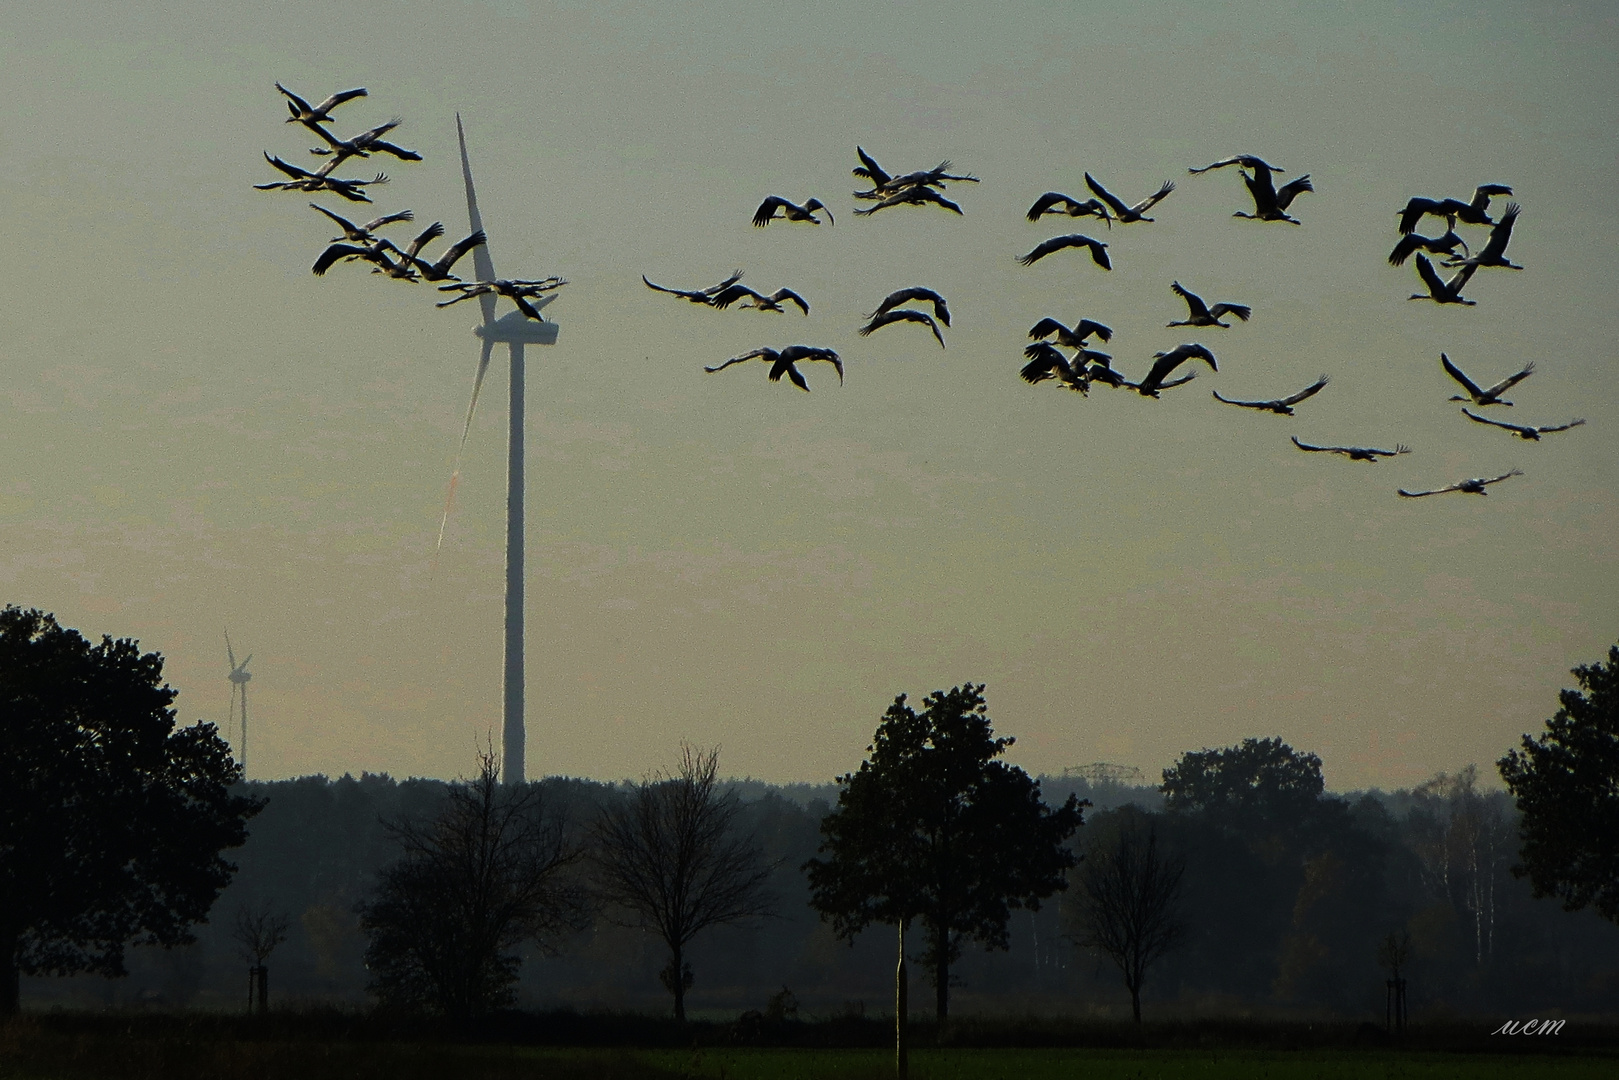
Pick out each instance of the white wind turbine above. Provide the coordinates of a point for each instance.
(516, 330)
(239, 678)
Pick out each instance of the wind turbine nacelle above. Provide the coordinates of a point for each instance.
(519, 329)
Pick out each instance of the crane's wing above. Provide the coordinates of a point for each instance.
(1429, 276)
(1113, 202)
(1318, 449)
(1241, 311)
(1496, 246)
(726, 297)
(1509, 382)
(386, 219)
(870, 169)
(1291, 190)
(348, 227)
(1468, 384)
(1503, 476)
(784, 366)
(338, 98)
(1155, 198)
(1045, 202)
(736, 276)
(291, 170)
(787, 294)
(768, 354)
(1495, 423)
(1087, 327)
(767, 210)
(1194, 302)
(1309, 391)
(335, 252)
(1560, 427)
(1045, 328)
(701, 297)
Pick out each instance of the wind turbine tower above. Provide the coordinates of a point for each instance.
(239, 678)
(516, 330)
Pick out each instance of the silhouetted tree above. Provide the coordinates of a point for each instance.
(1567, 786)
(112, 820)
(484, 876)
(666, 860)
(257, 931)
(932, 827)
(1129, 901)
(1258, 779)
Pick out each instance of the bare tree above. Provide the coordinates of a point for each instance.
(257, 931)
(484, 876)
(1128, 904)
(666, 860)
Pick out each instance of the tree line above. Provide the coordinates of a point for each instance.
(1239, 878)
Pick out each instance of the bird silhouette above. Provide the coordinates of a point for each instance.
(313, 116)
(1354, 453)
(888, 318)
(363, 145)
(440, 270)
(1166, 362)
(1127, 214)
(1412, 242)
(790, 211)
(1203, 315)
(1439, 290)
(730, 295)
(361, 234)
(1527, 432)
(784, 362)
(915, 195)
(1271, 202)
(1491, 395)
(1476, 211)
(1057, 243)
(698, 296)
(520, 292)
(915, 292)
(1247, 161)
(319, 180)
(1055, 202)
(1071, 336)
(1475, 486)
(1279, 406)
(1494, 252)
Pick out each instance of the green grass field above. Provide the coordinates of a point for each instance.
(108, 1057)
(1126, 1065)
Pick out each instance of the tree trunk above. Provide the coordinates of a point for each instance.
(902, 1008)
(1135, 1002)
(10, 977)
(941, 974)
(677, 981)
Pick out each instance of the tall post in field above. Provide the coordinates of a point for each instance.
(902, 1008)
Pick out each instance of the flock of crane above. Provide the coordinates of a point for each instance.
(1078, 370)
(360, 242)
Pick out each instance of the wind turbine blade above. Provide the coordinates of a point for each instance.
(247, 661)
(482, 261)
(229, 655)
(455, 476)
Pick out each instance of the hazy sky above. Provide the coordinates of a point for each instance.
(196, 433)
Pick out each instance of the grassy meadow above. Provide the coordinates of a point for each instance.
(156, 1047)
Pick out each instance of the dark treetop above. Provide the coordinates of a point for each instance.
(1567, 786)
(112, 820)
(932, 827)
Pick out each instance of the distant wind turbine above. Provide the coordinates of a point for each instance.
(516, 330)
(239, 678)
